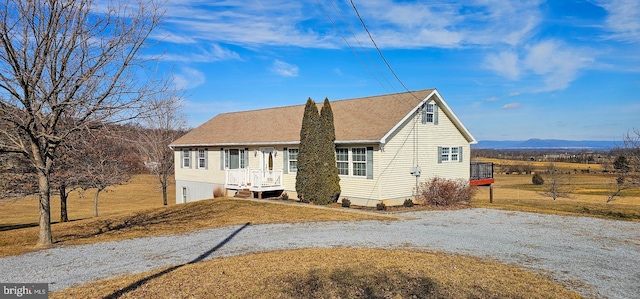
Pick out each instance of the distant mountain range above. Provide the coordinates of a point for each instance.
(547, 144)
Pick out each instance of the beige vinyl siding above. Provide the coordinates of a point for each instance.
(360, 190)
(212, 173)
(396, 181)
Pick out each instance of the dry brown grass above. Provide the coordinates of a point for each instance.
(588, 197)
(330, 273)
(131, 217)
(542, 165)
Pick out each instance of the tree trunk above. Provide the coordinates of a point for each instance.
(95, 203)
(45, 237)
(64, 217)
(164, 194)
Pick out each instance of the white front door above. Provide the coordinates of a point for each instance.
(267, 158)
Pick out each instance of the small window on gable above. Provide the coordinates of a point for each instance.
(428, 115)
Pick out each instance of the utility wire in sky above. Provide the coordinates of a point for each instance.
(378, 49)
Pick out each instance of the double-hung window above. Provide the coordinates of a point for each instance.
(359, 160)
(449, 154)
(428, 114)
(186, 158)
(202, 158)
(293, 159)
(342, 160)
(234, 159)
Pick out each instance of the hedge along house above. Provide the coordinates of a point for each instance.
(385, 146)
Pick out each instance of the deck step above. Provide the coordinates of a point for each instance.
(245, 193)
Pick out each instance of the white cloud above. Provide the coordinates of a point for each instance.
(284, 69)
(214, 53)
(623, 19)
(505, 64)
(514, 94)
(492, 99)
(510, 106)
(556, 63)
(188, 78)
(552, 62)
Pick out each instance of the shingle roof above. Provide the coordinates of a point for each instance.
(360, 119)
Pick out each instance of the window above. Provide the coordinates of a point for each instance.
(449, 154)
(186, 158)
(293, 159)
(359, 158)
(202, 158)
(234, 159)
(454, 154)
(342, 159)
(184, 194)
(428, 115)
(444, 154)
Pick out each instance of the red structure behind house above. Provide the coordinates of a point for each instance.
(482, 175)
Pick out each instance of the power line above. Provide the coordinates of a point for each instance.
(351, 48)
(346, 25)
(378, 49)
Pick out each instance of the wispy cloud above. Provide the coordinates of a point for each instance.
(505, 64)
(492, 99)
(510, 106)
(558, 64)
(214, 53)
(514, 94)
(188, 78)
(552, 62)
(284, 69)
(623, 19)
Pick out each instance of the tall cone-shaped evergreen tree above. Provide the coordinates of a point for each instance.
(306, 180)
(328, 169)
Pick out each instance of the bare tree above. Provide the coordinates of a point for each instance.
(102, 164)
(165, 123)
(72, 60)
(556, 184)
(627, 165)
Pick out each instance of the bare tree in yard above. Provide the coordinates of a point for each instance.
(556, 184)
(103, 163)
(627, 165)
(163, 125)
(68, 60)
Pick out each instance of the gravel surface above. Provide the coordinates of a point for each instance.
(599, 258)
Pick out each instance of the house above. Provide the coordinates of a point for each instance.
(385, 146)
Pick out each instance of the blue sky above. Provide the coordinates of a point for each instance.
(511, 70)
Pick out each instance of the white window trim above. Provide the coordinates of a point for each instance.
(344, 161)
(186, 158)
(289, 160)
(350, 162)
(241, 156)
(449, 155)
(429, 113)
(202, 158)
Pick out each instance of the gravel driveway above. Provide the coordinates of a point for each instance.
(599, 258)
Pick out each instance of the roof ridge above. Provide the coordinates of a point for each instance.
(332, 101)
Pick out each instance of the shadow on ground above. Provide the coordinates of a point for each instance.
(141, 282)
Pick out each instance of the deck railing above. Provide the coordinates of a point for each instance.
(237, 177)
(253, 179)
(481, 170)
(268, 178)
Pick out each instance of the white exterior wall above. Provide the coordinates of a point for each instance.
(397, 157)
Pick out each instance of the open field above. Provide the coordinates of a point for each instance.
(589, 192)
(330, 273)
